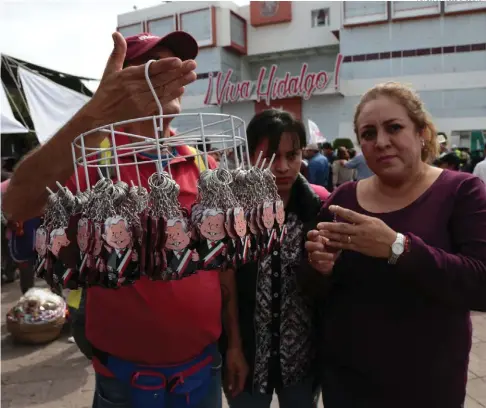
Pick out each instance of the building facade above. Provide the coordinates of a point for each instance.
(317, 58)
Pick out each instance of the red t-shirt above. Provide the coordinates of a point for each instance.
(154, 322)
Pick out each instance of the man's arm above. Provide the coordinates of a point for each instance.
(26, 194)
(230, 307)
(353, 163)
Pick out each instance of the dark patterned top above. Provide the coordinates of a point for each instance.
(283, 317)
(276, 320)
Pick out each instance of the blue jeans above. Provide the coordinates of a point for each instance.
(112, 393)
(299, 395)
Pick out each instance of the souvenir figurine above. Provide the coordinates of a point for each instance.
(59, 240)
(212, 249)
(97, 263)
(254, 235)
(41, 243)
(232, 246)
(181, 259)
(83, 238)
(122, 261)
(280, 219)
(241, 229)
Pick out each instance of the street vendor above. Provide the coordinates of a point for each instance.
(144, 327)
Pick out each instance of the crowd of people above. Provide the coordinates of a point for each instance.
(383, 260)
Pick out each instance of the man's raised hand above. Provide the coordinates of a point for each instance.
(124, 94)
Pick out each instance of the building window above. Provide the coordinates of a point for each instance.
(238, 33)
(454, 7)
(162, 26)
(363, 12)
(129, 30)
(200, 24)
(320, 17)
(410, 9)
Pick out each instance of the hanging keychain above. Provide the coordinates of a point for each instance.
(84, 236)
(138, 202)
(232, 246)
(280, 220)
(61, 268)
(209, 217)
(159, 183)
(243, 190)
(95, 212)
(122, 261)
(44, 263)
(247, 190)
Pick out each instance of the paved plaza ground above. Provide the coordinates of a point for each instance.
(59, 376)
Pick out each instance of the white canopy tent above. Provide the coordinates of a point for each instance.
(8, 123)
(50, 105)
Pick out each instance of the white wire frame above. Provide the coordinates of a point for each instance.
(232, 136)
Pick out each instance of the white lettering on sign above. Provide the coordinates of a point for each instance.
(268, 86)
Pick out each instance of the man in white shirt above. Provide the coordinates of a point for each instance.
(480, 169)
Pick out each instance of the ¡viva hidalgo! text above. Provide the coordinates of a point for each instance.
(304, 85)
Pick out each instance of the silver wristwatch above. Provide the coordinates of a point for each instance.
(397, 248)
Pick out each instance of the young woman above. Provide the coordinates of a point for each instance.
(276, 322)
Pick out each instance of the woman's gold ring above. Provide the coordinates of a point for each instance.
(349, 239)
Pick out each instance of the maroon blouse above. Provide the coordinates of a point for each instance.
(399, 335)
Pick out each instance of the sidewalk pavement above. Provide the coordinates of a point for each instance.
(59, 376)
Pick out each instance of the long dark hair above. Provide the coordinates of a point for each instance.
(271, 124)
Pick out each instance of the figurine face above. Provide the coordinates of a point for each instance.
(240, 223)
(268, 217)
(279, 213)
(97, 240)
(41, 242)
(116, 233)
(177, 236)
(212, 227)
(83, 235)
(58, 240)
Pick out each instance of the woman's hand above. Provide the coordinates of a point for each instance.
(367, 235)
(321, 258)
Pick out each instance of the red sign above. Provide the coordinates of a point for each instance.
(268, 87)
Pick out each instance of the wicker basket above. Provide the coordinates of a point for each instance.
(36, 333)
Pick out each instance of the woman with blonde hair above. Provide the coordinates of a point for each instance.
(400, 261)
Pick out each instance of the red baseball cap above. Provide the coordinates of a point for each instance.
(182, 44)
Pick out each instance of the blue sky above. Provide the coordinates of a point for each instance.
(73, 36)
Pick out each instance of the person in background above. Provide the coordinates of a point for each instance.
(352, 153)
(148, 326)
(318, 166)
(340, 173)
(275, 321)
(480, 168)
(231, 158)
(449, 161)
(442, 141)
(398, 262)
(328, 151)
(358, 163)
